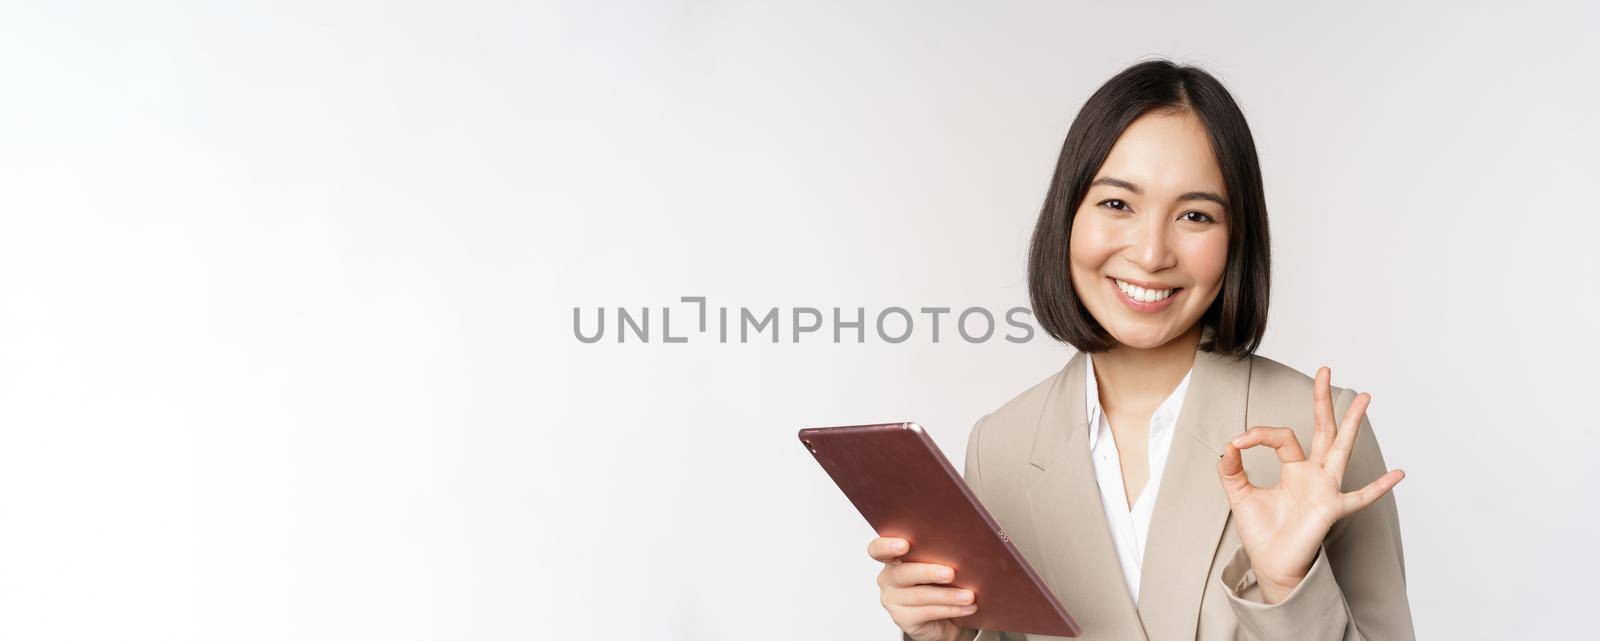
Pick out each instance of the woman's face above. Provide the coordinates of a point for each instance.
(1150, 239)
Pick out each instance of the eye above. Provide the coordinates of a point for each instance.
(1119, 205)
(1203, 217)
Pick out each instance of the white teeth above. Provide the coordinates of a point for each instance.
(1141, 294)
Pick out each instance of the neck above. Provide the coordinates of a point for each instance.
(1144, 377)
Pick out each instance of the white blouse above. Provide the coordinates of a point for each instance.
(1129, 528)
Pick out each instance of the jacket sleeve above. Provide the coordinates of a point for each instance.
(1356, 588)
(970, 474)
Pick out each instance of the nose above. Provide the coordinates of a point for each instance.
(1148, 248)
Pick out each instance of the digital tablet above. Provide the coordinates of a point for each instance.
(900, 481)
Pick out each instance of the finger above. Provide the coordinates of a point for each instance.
(1358, 500)
(1230, 468)
(1339, 454)
(920, 595)
(1281, 439)
(912, 616)
(887, 548)
(905, 575)
(1322, 403)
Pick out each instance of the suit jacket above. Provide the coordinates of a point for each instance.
(1029, 464)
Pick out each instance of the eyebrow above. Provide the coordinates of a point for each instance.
(1193, 195)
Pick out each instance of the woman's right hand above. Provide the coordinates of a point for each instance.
(915, 600)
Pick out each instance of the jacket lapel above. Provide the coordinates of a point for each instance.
(1191, 508)
(1080, 559)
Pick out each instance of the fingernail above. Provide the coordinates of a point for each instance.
(898, 546)
(1238, 440)
(966, 596)
(946, 575)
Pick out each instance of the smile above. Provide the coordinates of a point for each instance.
(1145, 299)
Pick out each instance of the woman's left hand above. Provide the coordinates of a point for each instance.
(1282, 527)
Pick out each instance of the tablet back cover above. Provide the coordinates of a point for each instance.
(905, 487)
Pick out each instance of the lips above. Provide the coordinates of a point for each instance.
(1145, 293)
(1145, 296)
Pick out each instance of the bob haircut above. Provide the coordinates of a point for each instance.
(1236, 320)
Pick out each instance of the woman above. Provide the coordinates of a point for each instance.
(1151, 257)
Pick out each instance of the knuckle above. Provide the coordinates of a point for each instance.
(894, 576)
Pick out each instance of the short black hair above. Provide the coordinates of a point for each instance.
(1237, 319)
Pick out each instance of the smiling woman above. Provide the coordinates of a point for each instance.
(1154, 177)
(1151, 257)
(1152, 233)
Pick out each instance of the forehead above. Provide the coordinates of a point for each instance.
(1165, 154)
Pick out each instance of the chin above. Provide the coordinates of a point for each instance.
(1141, 337)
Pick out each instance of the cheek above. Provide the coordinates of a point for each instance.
(1207, 256)
(1091, 244)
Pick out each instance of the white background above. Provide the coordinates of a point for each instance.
(286, 346)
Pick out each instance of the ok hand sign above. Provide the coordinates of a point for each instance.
(1281, 527)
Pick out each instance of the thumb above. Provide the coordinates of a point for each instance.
(1230, 469)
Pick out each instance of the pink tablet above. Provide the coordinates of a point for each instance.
(898, 479)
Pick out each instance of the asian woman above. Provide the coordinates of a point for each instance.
(1168, 482)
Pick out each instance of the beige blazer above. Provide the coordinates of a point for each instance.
(1028, 462)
